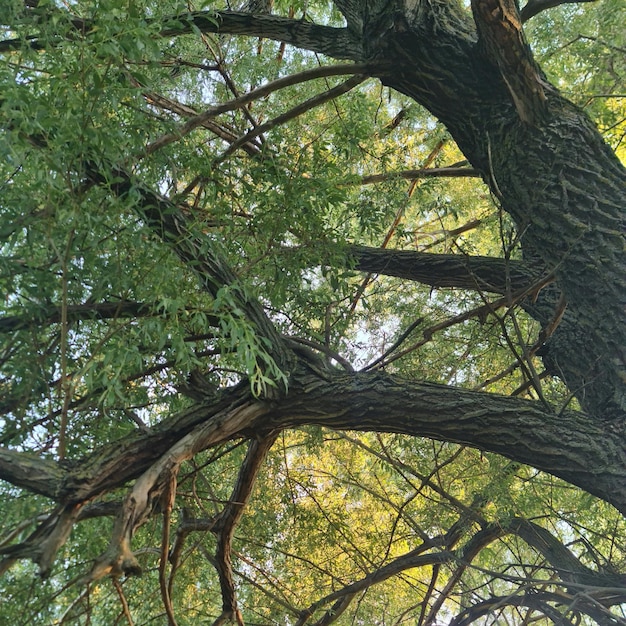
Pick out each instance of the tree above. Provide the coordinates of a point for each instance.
(345, 345)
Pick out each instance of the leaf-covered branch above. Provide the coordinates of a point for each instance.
(51, 314)
(200, 253)
(334, 42)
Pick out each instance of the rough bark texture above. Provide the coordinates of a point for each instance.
(518, 429)
(474, 273)
(555, 176)
(548, 167)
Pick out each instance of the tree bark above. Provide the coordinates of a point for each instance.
(551, 172)
(475, 273)
(521, 430)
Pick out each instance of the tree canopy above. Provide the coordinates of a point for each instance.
(313, 312)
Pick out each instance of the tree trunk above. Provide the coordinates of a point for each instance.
(543, 159)
(562, 185)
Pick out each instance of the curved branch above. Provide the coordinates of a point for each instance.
(521, 430)
(565, 564)
(538, 602)
(534, 7)
(148, 489)
(337, 43)
(229, 518)
(569, 568)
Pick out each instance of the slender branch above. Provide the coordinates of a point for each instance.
(168, 498)
(230, 516)
(392, 229)
(296, 111)
(428, 172)
(123, 601)
(52, 314)
(186, 111)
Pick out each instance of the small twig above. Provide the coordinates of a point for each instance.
(122, 597)
(167, 500)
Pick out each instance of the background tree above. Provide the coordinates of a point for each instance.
(312, 314)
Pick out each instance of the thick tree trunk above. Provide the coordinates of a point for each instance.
(555, 176)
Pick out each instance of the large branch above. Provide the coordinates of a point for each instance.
(446, 270)
(586, 453)
(201, 255)
(149, 488)
(336, 43)
(31, 472)
(333, 42)
(570, 445)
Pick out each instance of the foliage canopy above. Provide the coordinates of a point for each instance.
(276, 292)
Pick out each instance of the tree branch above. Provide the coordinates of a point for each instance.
(482, 273)
(526, 432)
(428, 172)
(337, 43)
(203, 118)
(82, 312)
(148, 489)
(301, 108)
(229, 518)
(200, 254)
(31, 472)
(536, 602)
(534, 7)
